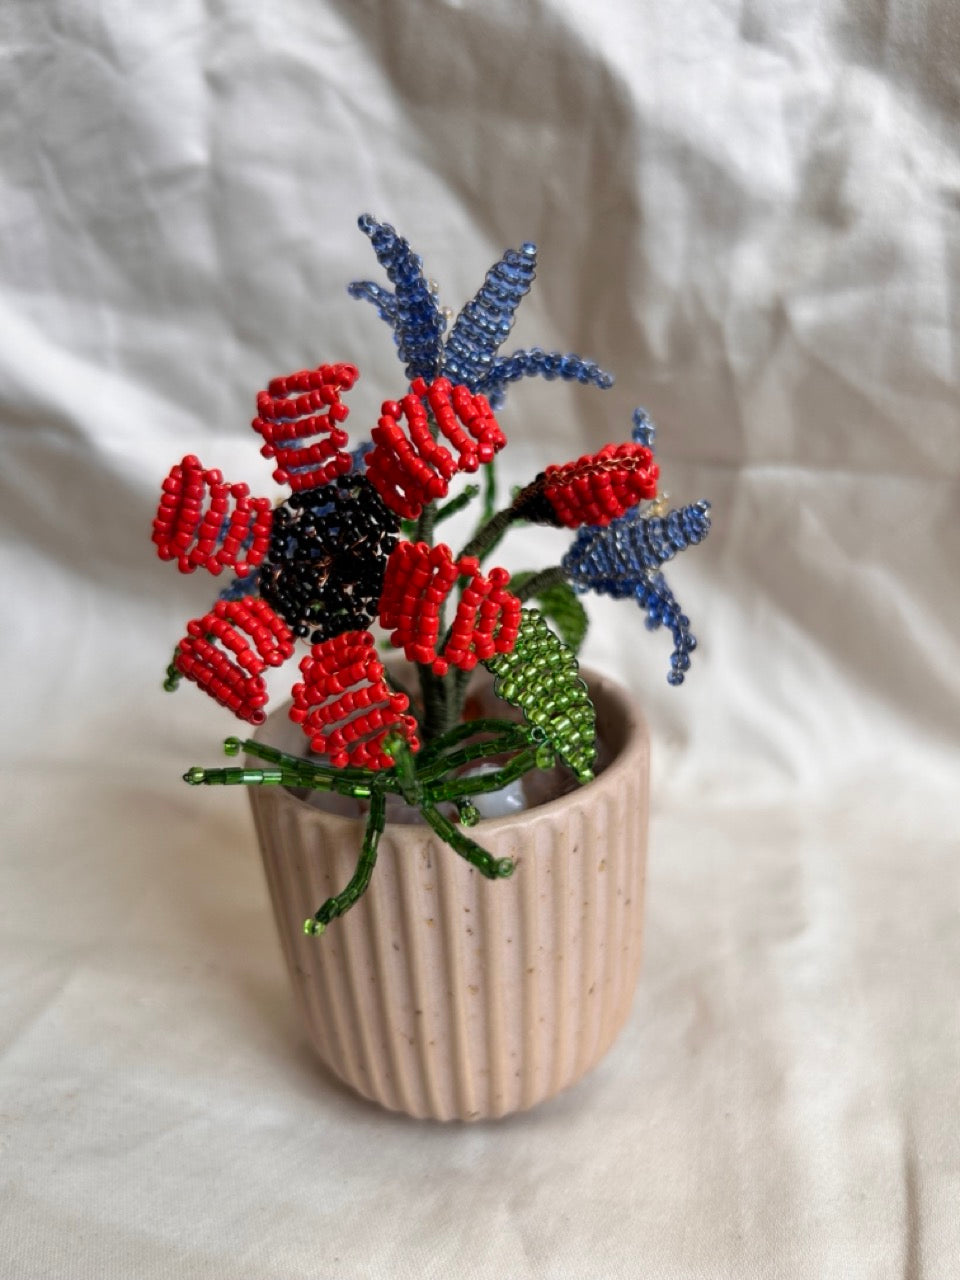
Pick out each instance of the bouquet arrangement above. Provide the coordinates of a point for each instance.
(353, 544)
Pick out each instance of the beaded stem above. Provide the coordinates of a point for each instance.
(489, 492)
(434, 692)
(541, 582)
(489, 866)
(467, 729)
(458, 503)
(461, 680)
(405, 768)
(489, 534)
(432, 689)
(333, 907)
(522, 763)
(230, 777)
(443, 768)
(349, 782)
(172, 677)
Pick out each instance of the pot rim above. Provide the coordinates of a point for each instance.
(635, 733)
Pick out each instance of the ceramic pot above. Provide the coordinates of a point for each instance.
(446, 995)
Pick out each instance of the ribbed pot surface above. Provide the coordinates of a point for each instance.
(443, 994)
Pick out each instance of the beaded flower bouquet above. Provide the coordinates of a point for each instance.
(353, 544)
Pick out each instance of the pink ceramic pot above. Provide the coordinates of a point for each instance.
(446, 995)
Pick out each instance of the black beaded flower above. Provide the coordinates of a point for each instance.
(328, 551)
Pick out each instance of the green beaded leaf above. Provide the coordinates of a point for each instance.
(541, 677)
(561, 604)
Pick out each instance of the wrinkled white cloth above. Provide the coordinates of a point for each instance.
(749, 211)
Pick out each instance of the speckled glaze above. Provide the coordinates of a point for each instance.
(445, 995)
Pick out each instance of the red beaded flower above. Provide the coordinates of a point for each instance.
(594, 490)
(419, 579)
(333, 535)
(345, 706)
(408, 467)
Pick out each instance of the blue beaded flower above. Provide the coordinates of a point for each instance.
(624, 558)
(469, 353)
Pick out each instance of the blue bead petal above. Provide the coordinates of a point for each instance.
(643, 431)
(382, 299)
(635, 544)
(484, 323)
(418, 324)
(237, 588)
(357, 456)
(548, 364)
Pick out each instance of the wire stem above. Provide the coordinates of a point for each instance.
(333, 907)
(540, 582)
(489, 534)
(489, 866)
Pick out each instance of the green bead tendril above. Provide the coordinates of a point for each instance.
(482, 783)
(468, 815)
(465, 730)
(497, 746)
(333, 907)
(424, 781)
(172, 677)
(542, 678)
(489, 866)
(348, 782)
(237, 777)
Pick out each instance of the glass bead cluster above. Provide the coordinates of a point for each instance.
(328, 551)
(353, 542)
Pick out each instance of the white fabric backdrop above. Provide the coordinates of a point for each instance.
(750, 212)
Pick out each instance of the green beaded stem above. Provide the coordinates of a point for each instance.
(172, 677)
(527, 585)
(556, 600)
(424, 781)
(333, 907)
(489, 866)
(489, 534)
(467, 729)
(198, 776)
(489, 491)
(347, 782)
(405, 768)
(542, 678)
(250, 747)
(456, 504)
(475, 751)
(522, 763)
